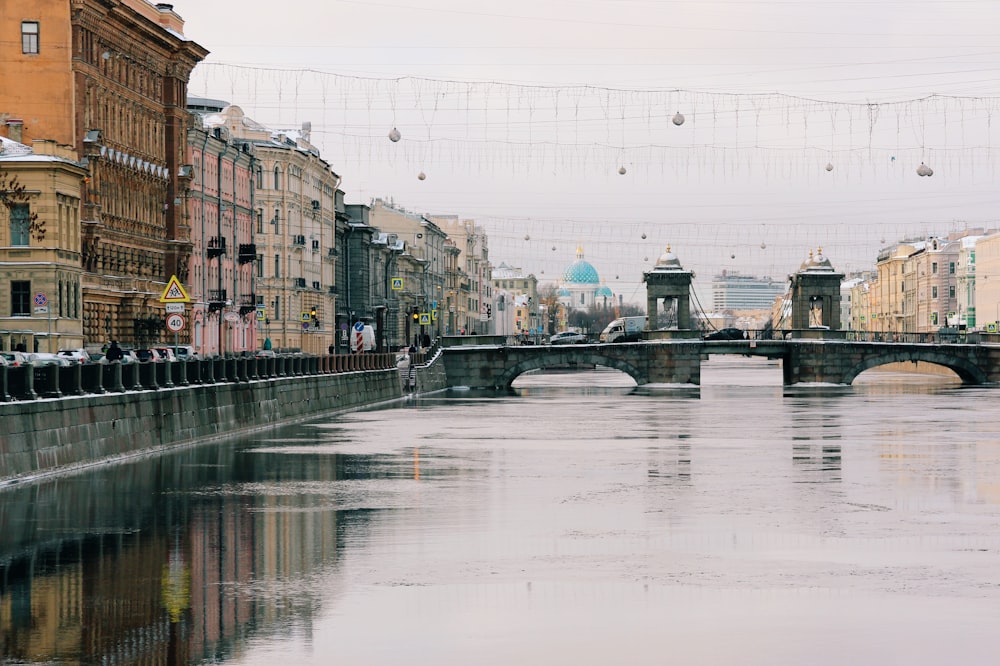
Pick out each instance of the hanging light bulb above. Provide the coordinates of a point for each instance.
(421, 176)
(553, 248)
(527, 237)
(924, 170)
(394, 135)
(829, 166)
(644, 236)
(763, 246)
(678, 119)
(732, 256)
(621, 171)
(616, 277)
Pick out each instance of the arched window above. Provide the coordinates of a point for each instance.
(260, 177)
(277, 178)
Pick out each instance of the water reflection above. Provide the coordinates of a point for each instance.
(574, 519)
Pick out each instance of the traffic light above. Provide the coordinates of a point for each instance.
(313, 317)
(416, 313)
(489, 310)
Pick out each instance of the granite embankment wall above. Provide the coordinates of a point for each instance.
(42, 437)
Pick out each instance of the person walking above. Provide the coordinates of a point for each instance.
(114, 352)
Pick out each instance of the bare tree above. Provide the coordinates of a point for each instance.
(14, 196)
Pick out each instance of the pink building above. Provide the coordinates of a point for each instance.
(220, 205)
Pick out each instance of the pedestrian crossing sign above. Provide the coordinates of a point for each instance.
(174, 292)
(397, 284)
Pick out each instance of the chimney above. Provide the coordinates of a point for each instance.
(14, 128)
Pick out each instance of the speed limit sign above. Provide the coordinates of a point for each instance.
(175, 322)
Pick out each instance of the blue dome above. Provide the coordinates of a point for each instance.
(580, 272)
(603, 291)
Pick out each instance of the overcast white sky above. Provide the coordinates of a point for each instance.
(521, 115)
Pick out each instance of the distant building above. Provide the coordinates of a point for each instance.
(732, 291)
(581, 286)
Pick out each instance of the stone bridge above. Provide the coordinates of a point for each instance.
(679, 361)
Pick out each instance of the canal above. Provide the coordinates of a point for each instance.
(576, 520)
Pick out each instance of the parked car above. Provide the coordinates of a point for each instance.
(165, 354)
(15, 359)
(76, 355)
(185, 353)
(43, 358)
(568, 338)
(265, 353)
(147, 356)
(725, 334)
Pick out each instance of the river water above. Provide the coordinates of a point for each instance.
(577, 520)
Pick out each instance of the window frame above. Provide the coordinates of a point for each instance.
(20, 225)
(20, 298)
(30, 41)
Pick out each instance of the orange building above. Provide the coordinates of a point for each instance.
(109, 78)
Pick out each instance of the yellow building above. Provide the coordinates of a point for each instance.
(41, 304)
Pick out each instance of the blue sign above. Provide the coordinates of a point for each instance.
(359, 327)
(40, 299)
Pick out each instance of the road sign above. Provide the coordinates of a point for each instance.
(174, 292)
(175, 307)
(359, 326)
(425, 318)
(397, 284)
(304, 317)
(261, 314)
(41, 309)
(41, 299)
(434, 315)
(175, 322)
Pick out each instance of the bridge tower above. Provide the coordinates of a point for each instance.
(670, 283)
(815, 292)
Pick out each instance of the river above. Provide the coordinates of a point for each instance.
(576, 520)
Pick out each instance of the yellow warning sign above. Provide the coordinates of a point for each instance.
(174, 293)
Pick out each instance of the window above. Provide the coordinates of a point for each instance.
(951, 268)
(934, 267)
(277, 307)
(260, 221)
(276, 221)
(277, 265)
(260, 177)
(277, 178)
(20, 224)
(260, 265)
(951, 291)
(20, 298)
(933, 292)
(29, 36)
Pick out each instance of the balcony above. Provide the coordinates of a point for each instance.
(316, 285)
(248, 253)
(299, 241)
(216, 246)
(332, 289)
(315, 246)
(248, 303)
(216, 299)
(300, 283)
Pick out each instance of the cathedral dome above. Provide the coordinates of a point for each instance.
(580, 272)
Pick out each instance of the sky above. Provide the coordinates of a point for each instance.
(555, 124)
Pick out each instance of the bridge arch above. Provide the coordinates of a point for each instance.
(967, 371)
(507, 377)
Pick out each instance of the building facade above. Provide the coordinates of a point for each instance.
(296, 201)
(41, 306)
(109, 78)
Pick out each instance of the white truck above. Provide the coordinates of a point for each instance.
(624, 329)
